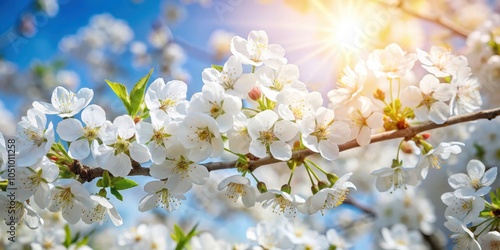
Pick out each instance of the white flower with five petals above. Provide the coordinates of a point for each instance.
(66, 103)
(200, 132)
(101, 207)
(158, 135)
(119, 147)
(281, 202)
(160, 195)
(329, 198)
(475, 183)
(464, 209)
(34, 140)
(71, 199)
(273, 81)
(231, 78)
(82, 139)
(237, 186)
(391, 62)
(269, 133)
(256, 50)
(169, 97)
(349, 86)
(462, 236)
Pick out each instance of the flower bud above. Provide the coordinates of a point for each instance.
(379, 95)
(323, 185)
(261, 186)
(314, 189)
(332, 178)
(255, 94)
(286, 188)
(426, 136)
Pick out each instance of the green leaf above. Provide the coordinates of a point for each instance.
(137, 94)
(116, 194)
(218, 67)
(120, 183)
(121, 91)
(183, 240)
(99, 183)
(67, 236)
(106, 180)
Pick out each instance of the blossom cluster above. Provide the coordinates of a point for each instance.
(473, 220)
(252, 108)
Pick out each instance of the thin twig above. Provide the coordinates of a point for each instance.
(437, 19)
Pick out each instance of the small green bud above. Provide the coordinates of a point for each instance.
(286, 188)
(332, 178)
(314, 189)
(102, 192)
(323, 185)
(291, 164)
(261, 186)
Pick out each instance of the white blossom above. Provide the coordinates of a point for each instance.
(101, 206)
(200, 133)
(490, 240)
(329, 198)
(475, 183)
(66, 103)
(400, 238)
(464, 209)
(239, 186)
(467, 97)
(281, 202)
(231, 78)
(269, 133)
(390, 62)
(34, 140)
(71, 199)
(273, 81)
(294, 104)
(395, 177)
(159, 194)
(349, 86)
(256, 50)
(169, 97)
(158, 135)
(462, 236)
(363, 120)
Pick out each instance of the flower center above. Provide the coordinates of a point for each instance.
(90, 133)
(204, 134)
(121, 146)
(216, 109)
(476, 183)
(267, 137)
(35, 136)
(167, 103)
(234, 190)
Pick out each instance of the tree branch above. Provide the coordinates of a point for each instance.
(88, 174)
(439, 20)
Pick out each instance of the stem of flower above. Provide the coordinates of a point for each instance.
(318, 167)
(309, 168)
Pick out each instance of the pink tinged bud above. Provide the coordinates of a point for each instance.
(255, 94)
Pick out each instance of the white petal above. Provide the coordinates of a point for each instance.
(70, 129)
(139, 152)
(79, 149)
(475, 169)
(281, 150)
(199, 174)
(94, 116)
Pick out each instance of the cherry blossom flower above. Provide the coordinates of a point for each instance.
(117, 149)
(430, 99)
(269, 133)
(214, 102)
(273, 81)
(82, 139)
(490, 240)
(321, 133)
(336, 240)
(199, 132)
(391, 62)
(53, 237)
(269, 235)
(66, 103)
(329, 198)
(33, 181)
(256, 50)
(237, 186)
(440, 61)
(349, 86)
(395, 177)
(71, 199)
(363, 120)
(293, 104)
(144, 236)
(181, 169)
(475, 183)
(281, 202)
(398, 237)
(101, 207)
(158, 135)
(462, 236)
(231, 78)
(464, 209)
(169, 97)
(160, 195)
(20, 210)
(432, 158)
(467, 97)
(34, 140)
